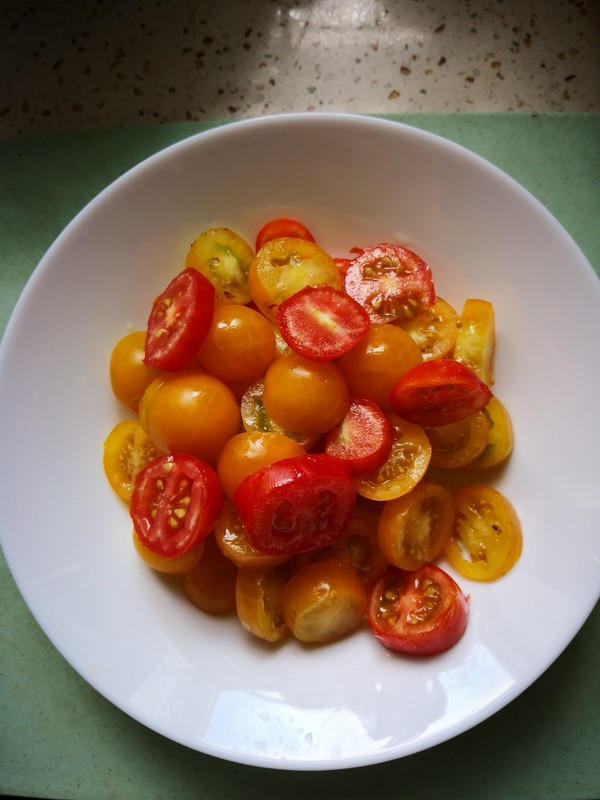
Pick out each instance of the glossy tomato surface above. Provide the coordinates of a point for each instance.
(296, 504)
(420, 613)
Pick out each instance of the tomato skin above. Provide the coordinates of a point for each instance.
(476, 338)
(257, 600)
(500, 437)
(438, 393)
(175, 502)
(210, 586)
(418, 613)
(179, 321)
(175, 565)
(323, 601)
(363, 439)
(256, 418)
(127, 449)
(282, 228)
(390, 281)
(487, 539)
(129, 376)
(296, 504)
(414, 528)
(320, 322)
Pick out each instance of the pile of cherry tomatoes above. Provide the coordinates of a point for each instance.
(294, 416)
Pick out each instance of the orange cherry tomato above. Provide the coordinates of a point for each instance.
(283, 267)
(175, 565)
(374, 365)
(210, 586)
(129, 376)
(255, 417)
(487, 539)
(434, 329)
(305, 396)
(258, 602)
(405, 466)
(239, 345)
(414, 528)
(248, 452)
(190, 412)
(323, 601)
(458, 444)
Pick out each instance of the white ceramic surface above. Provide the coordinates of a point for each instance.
(199, 680)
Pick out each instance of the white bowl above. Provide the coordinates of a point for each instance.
(200, 680)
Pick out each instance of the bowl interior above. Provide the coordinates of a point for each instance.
(201, 681)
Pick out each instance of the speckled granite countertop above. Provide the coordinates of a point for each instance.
(114, 63)
(92, 88)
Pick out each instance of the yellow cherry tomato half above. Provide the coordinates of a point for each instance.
(405, 466)
(487, 539)
(500, 439)
(323, 601)
(414, 528)
(222, 256)
(476, 339)
(458, 444)
(434, 329)
(283, 267)
(258, 602)
(127, 449)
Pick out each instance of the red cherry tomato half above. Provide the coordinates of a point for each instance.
(282, 228)
(420, 613)
(439, 392)
(322, 323)
(296, 504)
(390, 282)
(175, 503)
(179, 321)
(363, 439)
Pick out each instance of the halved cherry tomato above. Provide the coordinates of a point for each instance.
(487, 538)
(476, 338)
(434, 329)
(390, 281)
(179, 321)
(405, 466)
(296, 504)
(419, 613)
(359, 546)
(438, 393)
(282, 228)
(175, 502)
(258, 602)
(500, 439)
(210, 586)
(223, 257)
(232, 540)
(127, 449)
(320, 322)
(283, 267)
(323, 601)
(458, 444)
(129, 376)
(414, 528)
(363, 439)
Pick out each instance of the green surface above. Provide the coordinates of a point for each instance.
(60, 739)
